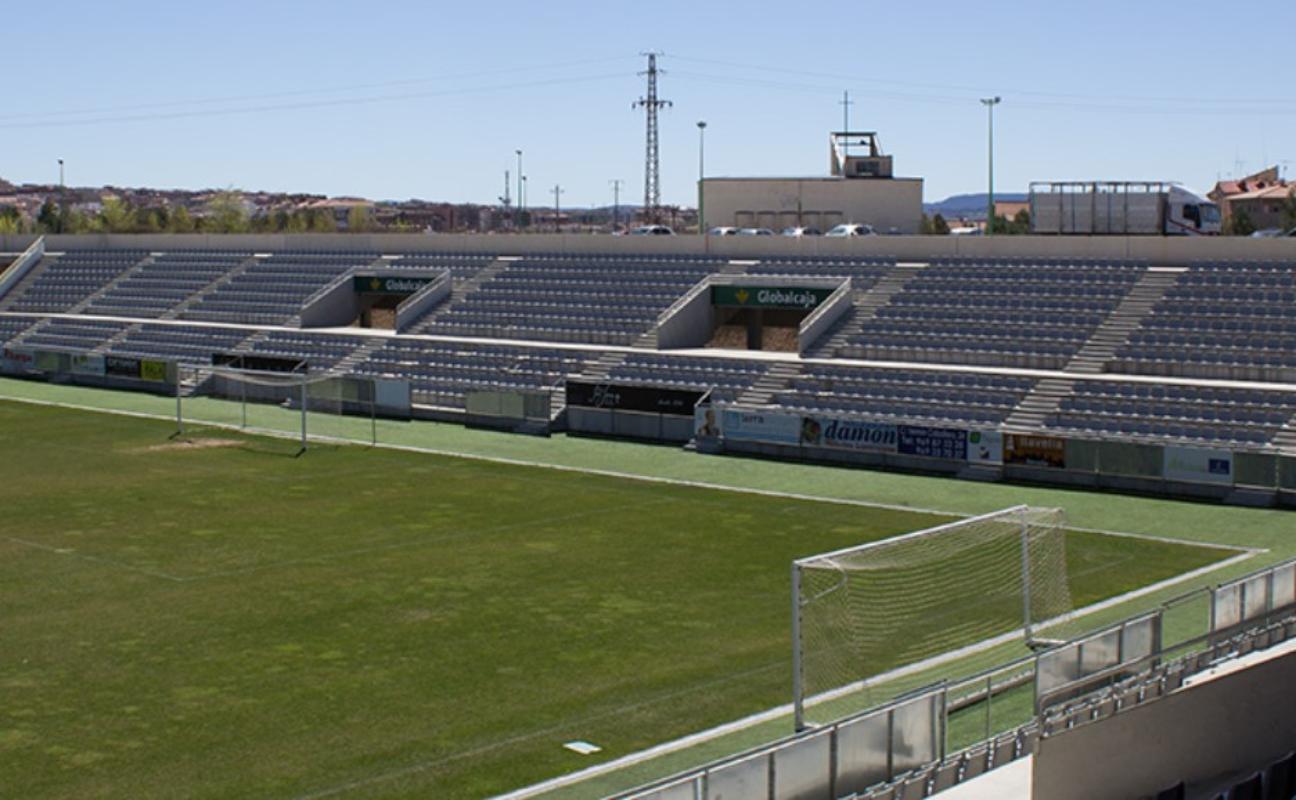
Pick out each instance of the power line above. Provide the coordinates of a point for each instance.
(531, 69)
(1261, 101)
(354, 101)
(1268, 111)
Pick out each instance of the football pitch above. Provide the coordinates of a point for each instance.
(213, 617)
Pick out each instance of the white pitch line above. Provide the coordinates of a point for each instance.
(754, 719)
(517, 462)
(607, 473)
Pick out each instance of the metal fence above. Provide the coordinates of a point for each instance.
(847, 756)
(911, 736)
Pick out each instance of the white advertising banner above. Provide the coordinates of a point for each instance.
(88, 364)
(760, 426)
(1198, 465)
(985, 447)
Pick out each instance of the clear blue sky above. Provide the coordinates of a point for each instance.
(402, 99)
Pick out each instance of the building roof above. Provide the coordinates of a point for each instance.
(1260, 180)
(1280, 192)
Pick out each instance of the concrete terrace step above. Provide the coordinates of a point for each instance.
(1126, 318)
(776, 379)
(197, 297)
(867, 303)
(599, 369)
(1043, 400)
(134, 269)
(462, 289)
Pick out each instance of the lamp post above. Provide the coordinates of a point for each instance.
(520, 207)
(701, 173)
(990, 103)
(522, 198)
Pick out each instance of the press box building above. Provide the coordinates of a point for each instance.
(861, 187)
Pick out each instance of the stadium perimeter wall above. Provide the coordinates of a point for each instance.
(1154, 249)
(1215, 728)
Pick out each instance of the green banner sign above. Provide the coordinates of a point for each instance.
(798, 298)
(372, 284)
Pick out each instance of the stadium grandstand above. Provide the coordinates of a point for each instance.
(1125, 372)
(985, 655)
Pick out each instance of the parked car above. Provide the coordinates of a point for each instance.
(723, 230)
(652, 230)
(967, 230)
(755, 232)
(802, 231)
(851, 229)
(1273, 233)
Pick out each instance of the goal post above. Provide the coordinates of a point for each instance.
(298, 403)
(908, 603)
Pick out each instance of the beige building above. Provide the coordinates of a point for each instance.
(860, 188)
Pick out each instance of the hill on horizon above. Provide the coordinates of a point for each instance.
(969, 205)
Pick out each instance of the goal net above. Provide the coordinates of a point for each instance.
(297, 405)
(898, 605)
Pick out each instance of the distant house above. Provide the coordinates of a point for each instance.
(1265, 207)
(1009, 209)
(1262, 195)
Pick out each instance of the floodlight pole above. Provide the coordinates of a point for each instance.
(701, 172)
(520, 208)
(798, 707)
(990, 103)
(179, 415)
(303, 413)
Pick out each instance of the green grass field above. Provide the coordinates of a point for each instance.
(229, 621)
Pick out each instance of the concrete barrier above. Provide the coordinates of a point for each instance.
(1156, 250)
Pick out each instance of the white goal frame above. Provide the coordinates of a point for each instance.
(1027, 514)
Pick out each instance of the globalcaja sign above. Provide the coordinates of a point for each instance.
(627, 397)
(795, 298)
(845, 434)
(372, 284)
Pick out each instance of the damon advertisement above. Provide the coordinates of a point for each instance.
(1198, 465)
(875, 437)
(760, 426)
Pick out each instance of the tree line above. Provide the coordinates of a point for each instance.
(223, 213)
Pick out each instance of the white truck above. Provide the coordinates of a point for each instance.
(1120, 208)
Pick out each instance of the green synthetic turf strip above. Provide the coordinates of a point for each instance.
(216, 618)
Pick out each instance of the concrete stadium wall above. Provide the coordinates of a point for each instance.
(819, 321)
(335, 304)
(14, 272)
(689, 321)
(1157, 250)
(1230, 723)
(414, 306)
